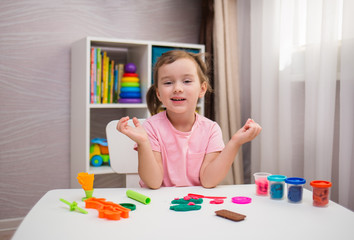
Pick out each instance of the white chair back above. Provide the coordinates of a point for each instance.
(123, 157)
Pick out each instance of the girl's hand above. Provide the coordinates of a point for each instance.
(137, 133)
(247, 133)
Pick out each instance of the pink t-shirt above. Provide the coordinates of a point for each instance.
(183, 152)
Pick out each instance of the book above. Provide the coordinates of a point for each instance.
(115, 84)
(92, 77)
(109, 86)
(120, 75)
(95, 77)
(104, 91)
(98, 75)
(112, 82)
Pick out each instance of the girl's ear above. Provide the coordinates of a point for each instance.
(158, 94)
(203, 89)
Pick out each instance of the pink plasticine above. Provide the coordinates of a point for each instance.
(262, 186)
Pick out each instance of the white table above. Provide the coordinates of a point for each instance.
(266, 218)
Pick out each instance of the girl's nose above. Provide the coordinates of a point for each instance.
(178, 87)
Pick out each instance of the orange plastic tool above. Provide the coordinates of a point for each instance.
(86, 180)
(109, 210)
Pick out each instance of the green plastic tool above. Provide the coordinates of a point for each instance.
(73, 206)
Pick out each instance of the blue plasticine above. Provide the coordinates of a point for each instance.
(295, 193)
(276, 190)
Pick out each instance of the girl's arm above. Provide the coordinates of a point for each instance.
(150, 162)
(217, 164)
(150, 166)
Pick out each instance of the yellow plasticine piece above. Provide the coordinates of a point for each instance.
(130, 79)
(86, 180)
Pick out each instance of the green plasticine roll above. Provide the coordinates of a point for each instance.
(138, 197)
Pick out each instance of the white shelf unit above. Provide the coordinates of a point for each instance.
(88, 121)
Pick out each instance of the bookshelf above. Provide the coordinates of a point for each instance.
(89, 120)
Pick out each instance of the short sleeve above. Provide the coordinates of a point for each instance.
(153, 136)
(216, 142)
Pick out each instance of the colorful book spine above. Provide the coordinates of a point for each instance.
(92, 77)
(120, 76)
(98, 75)
(111, 83)
(104, 78)
(95, 77)
(115, 84)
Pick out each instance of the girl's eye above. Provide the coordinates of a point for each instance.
(167, 83)
(187, 81)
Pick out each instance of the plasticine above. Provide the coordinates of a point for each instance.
(138, 197)
(185, 207)
(184, 201)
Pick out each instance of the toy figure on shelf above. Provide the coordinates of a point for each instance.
(99, 152)
(130, 87)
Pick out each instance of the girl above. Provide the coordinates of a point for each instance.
(179, 147)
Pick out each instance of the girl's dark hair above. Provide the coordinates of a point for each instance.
(169, 57)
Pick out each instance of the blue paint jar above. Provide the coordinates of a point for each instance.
(295, 189)
(276, 186)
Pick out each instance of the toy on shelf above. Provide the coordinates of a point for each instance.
(99, 152)
(73, 206)
(130, 91)
(86, 182)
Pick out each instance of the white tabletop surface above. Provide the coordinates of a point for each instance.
(266, 218)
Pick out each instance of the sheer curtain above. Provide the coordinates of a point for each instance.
(302, 91)
(227, 93)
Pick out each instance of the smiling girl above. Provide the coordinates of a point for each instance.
(179, 147)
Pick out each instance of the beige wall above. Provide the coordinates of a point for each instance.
(35, 41)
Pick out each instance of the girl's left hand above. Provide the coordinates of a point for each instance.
(248, 132)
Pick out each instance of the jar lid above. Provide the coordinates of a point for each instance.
(295, 180)
(241, 200)
(276, 178)
(321, 184)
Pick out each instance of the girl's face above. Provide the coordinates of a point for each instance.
(179, 87)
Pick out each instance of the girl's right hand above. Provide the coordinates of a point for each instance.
(137, 133)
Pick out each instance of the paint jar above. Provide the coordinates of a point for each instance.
(276, 186)
(295, 189)
(320, 192)
(261, 182)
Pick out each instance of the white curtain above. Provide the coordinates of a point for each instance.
(302, 91)
(227, 94)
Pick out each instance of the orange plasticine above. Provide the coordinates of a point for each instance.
(86, 180)
(109, 210)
